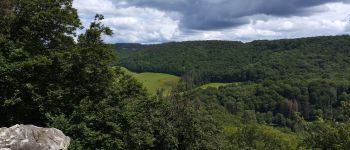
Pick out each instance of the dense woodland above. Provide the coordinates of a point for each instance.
(276, 78)
(226, 61)
(287, 94)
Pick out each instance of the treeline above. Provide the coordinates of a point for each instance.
(225, 61)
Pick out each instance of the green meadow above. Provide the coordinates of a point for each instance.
(162, 81)
(155, 81)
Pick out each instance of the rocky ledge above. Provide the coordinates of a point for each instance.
(29, 137)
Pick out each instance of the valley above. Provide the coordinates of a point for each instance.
(162, 81)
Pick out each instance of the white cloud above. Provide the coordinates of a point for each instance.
(130, 24)
(133, 24)
(330, 22)
(85, 7)
(333, 21)
(150, 25)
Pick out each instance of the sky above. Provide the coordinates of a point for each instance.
(158, 21)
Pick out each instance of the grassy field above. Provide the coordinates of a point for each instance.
(155, 81)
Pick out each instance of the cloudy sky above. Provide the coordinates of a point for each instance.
(157, 21)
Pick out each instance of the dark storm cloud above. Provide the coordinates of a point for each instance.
(218, 14)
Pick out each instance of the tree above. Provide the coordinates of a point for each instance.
(253, 136)
(6, 11)
(35, 43)
(327, 135)
(194, 127)
(105, 108)
(40, 25)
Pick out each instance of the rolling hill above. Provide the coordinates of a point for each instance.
(229, 61)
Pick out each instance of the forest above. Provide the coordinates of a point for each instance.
(230, 61)
(284, 94)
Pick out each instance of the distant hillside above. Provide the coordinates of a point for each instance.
(229, 61)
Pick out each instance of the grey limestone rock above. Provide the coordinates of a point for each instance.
(29, 137)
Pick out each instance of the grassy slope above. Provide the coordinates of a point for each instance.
(155, 81)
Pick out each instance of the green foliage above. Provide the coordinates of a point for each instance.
(262, 137)
(194, 124)
(33, 62)
(325, 135)
(276, 102)
(52, 21)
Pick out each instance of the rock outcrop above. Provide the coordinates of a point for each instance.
(29, 137)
